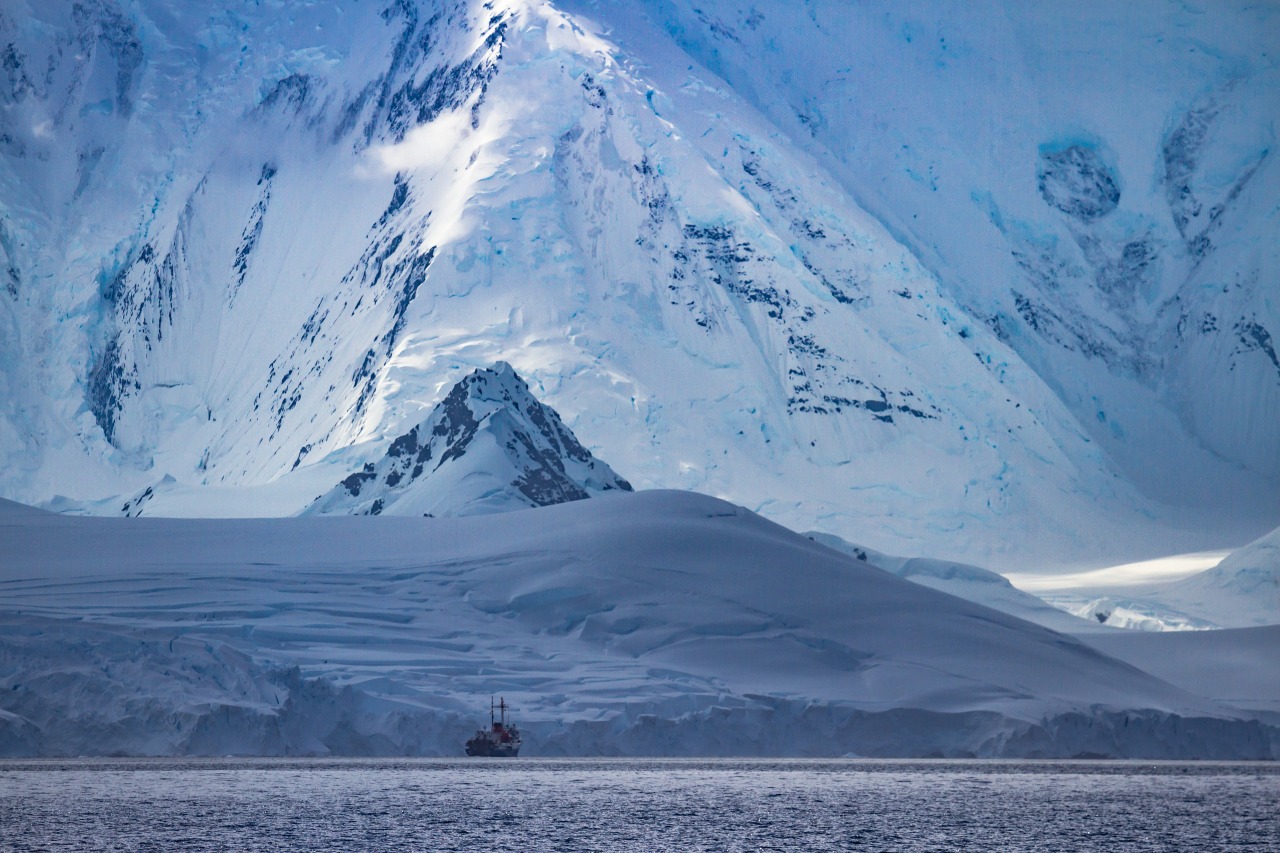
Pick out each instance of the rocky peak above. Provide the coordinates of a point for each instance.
(488, 446)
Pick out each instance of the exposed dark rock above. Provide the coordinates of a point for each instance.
(541, 460)
(1253, 336)
(1076, 181)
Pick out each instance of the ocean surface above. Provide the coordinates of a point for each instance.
(628, 804)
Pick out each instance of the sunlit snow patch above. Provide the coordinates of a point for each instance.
(1159, 570)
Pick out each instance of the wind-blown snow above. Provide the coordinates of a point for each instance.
(658, 622)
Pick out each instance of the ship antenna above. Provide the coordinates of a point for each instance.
(490, 710)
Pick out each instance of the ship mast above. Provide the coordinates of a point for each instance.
(501, 723)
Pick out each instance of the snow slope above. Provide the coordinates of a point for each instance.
(627, 623)
(1098, 183)
(1241, 591)
(1238, 597)
(972, 583)
(489, 446)
(1238, 665)
(246, 245)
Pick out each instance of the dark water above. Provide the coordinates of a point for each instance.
(479, 804)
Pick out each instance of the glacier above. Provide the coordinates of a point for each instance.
(759, 253)
(1189, 592)
(1097, 184)
(655, 622)
(1240, 591)
(1236, 665)
(972, 583)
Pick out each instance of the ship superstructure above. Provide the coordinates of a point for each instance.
(500, 740)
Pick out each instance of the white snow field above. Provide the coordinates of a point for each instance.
(633, 623)
(988, 283)
(1241, 591)
(1139, 620)
(1098, 181)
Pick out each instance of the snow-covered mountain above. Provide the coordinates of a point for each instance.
(1240, 589)
(1097, 183)
(650, 623)
(915, 282)
(488, 446)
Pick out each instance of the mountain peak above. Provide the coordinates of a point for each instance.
(488, 446)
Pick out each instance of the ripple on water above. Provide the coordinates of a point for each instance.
(635, 805)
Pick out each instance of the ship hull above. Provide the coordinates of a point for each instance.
(485, 750)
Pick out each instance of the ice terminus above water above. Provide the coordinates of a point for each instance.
(645, 623)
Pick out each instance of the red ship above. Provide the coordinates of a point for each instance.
(500, 740)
